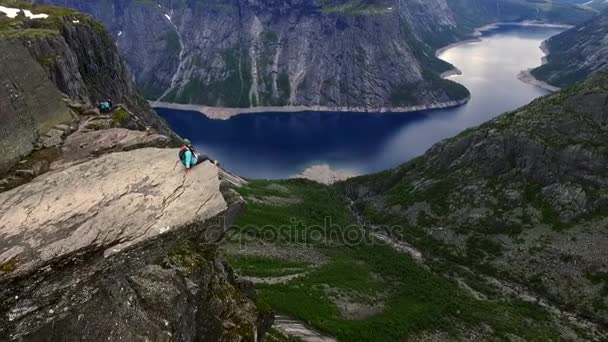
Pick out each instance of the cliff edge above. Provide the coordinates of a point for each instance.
(116, 249)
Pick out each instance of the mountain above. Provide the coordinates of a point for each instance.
(46, 61)
(102, 236)
(576, 53)
(499, 232)
(598, 5)
(474, 13)
(332, 53)
(522, 197)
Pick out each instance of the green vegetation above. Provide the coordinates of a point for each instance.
(120, 116)
(191, 256)
(8, 267)
(172, 44)
(533, 195)
(257, 266)
(277, 336)
(356, 7)
(22, 27)
(597, 278)
(405, 95)
(363, 272)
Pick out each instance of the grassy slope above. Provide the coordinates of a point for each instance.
(415, 299)
(455, 187)
(24, 27)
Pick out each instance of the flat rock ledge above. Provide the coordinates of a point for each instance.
(111, 202)
(122, 248)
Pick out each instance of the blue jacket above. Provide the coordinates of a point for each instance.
(189, 159)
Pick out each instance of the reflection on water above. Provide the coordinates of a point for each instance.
(277, 145)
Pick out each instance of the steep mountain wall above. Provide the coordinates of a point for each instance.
(300, 52)
(577, 53)
(27, 109)
(330, 53)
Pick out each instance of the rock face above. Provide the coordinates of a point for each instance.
(576, 54)
(83, 62)
(27, 108)
(522, 197)
(331, 53)
(67, 54)
(122, 247)
(269, 53)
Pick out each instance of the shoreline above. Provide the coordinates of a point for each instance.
(225, 113)
(527, 77)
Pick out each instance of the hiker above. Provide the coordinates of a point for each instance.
(104, 107)
(190, 158)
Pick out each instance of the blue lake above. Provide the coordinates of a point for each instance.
(280, 145)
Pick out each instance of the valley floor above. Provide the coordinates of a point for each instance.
(316, 261)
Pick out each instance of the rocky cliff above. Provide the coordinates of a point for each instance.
(110, 250)
(27, 108)
(301, 52)
(330, 53)
(577, 53)
(47, 61)
(522, 198)
(103, 236)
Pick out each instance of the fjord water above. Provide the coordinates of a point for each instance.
(280, 145)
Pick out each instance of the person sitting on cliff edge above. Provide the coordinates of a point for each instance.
(190, 158)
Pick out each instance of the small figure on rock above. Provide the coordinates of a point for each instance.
(105, 106)
(190, 158)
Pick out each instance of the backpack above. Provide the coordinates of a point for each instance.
(182, 152)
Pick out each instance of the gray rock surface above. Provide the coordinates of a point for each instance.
(122, 247)
(30, 105)
(111, 202)
(269, 53)
(83, 62)
(53, 69)
(85, 144)
(329, 53)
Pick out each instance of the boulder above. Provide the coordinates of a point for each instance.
(85, 144)
(122, 247)
(53, 138)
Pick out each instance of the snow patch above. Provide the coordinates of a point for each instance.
(76, 21)
(10, 12)
(13, 12)
(31, 15)
(168, 17)
(119, 33)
